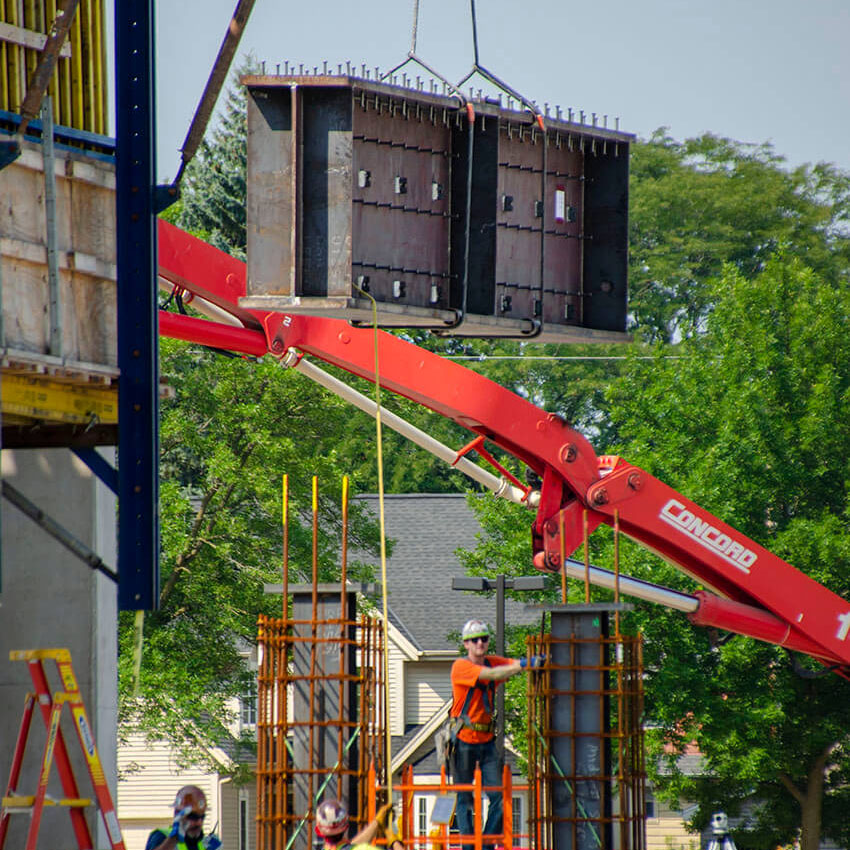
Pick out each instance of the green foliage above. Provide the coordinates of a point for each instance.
(233, 428)
(751, 421)
(214, 185)
(698, 204)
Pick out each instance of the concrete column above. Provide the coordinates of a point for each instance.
(51, 599)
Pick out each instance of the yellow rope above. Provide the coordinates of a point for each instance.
(138, 643)
(387, 736)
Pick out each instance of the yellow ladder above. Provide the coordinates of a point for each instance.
(51, 705)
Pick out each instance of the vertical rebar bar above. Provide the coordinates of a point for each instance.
(558, 792)
(314, 613)
(343, 627)
(285, 519)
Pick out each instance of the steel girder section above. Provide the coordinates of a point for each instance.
(463, 217)
(138, 401)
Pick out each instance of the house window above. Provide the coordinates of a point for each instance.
(517, 823)
(422, 816)
(649, 802)
(248, 707)
(244, 828)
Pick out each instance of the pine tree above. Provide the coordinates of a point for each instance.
(214, 189)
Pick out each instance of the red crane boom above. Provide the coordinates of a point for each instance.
(760, 595)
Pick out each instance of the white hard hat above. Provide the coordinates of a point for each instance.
(331, 818)
(474, 629)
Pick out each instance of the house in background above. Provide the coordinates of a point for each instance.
(150, 773)
(423, 610)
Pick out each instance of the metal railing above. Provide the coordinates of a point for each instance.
(441, 837)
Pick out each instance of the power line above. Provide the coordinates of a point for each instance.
(557, 357)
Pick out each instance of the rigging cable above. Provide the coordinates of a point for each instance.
(381, 516)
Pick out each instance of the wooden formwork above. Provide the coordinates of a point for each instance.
(58, 297)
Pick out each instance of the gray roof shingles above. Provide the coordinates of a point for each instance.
(427, 529)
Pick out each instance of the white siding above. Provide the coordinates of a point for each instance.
(231, 801)
(428, 686)
(396, 691)
(667, 831)
(149, 778)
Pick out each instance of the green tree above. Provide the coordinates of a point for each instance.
(232, 429)
(750, 420)
(212, 204)
(698, 204)
(694, 206)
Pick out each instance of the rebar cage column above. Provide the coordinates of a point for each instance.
(586, 763)
(320, 714)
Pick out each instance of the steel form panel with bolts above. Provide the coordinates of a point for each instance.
(461, 215)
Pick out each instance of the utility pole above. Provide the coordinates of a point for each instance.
(500, 584)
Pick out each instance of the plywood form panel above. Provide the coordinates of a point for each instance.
(85, 244)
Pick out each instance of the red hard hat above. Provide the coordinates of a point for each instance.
(191, 796)
(331, 818)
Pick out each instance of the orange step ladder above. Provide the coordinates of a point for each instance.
(55, 749)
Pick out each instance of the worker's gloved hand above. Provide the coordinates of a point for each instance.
(534, 661)
(392, 833)
(211, 842)
(384, 816)
(178, 826)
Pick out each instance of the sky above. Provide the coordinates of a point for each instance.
(756, 71)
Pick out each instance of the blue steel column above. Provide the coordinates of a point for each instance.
(138, 414)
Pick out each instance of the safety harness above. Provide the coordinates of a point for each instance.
(488, 692)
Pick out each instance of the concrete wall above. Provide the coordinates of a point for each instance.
(49, 598)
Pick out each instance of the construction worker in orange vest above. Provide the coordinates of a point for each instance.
(474, 681)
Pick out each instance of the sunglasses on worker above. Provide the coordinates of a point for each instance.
(480, 639)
